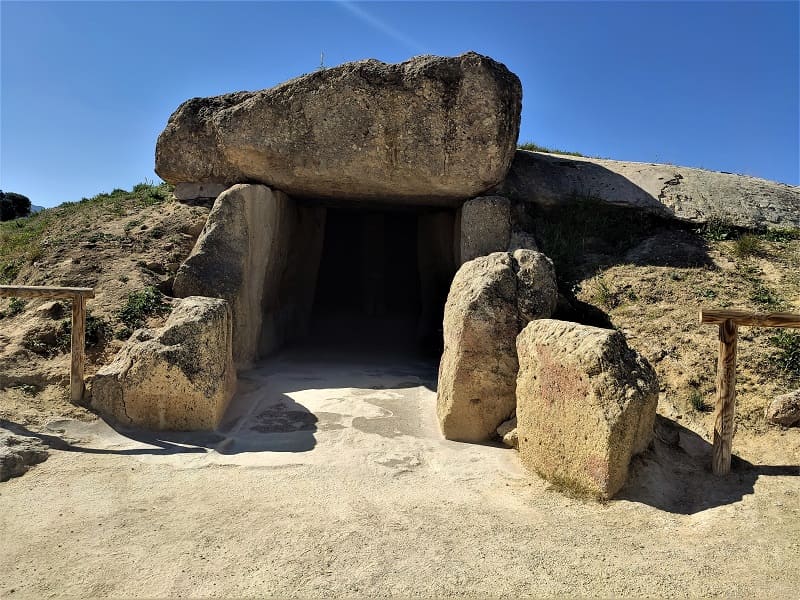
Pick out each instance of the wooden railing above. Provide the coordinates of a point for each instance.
(78, 297)
(729, 321)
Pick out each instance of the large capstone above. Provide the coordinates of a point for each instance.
(179, 377)
(431, 130)
(586, 403)
(492, 297)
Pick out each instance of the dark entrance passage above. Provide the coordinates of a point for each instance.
(380, 286)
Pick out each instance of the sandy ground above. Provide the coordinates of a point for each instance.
(330, 478)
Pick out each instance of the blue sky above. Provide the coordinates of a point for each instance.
(85, 88)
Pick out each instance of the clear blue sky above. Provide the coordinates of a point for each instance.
(87, 87)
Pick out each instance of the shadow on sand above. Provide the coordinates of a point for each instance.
(675, 475)
(262, 417)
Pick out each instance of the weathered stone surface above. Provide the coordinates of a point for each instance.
(477, 375)
(784, 410)
(289, 292)
(508, 432)
(586, 403)
(537, 290)
(430, 130)
(193, 191)
(251, 236)
(18, 454)
(179, 377)
(687, 194)
(485, 226)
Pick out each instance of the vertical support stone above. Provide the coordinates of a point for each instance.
(76, 385)
(485, 227)
(726, 398)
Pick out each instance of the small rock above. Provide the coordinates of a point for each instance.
(508, 432)
(784, 410)
(52, 310)
(18, 454)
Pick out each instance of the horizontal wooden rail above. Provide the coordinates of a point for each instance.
(78, 297)
(53, 293)
(749, 319)
(729, 321)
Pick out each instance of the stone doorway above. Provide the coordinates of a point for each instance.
(383, 278)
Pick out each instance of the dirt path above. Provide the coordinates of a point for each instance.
(333, 480)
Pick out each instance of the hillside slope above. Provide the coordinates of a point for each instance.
(126, 245)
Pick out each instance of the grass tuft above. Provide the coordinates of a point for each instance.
(140, 305)
(787, 354)
(747, 245)
(533, 147)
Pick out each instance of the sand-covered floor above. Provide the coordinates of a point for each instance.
(330, 478)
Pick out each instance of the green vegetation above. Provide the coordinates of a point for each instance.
(50, 343)
(765, 297)
(586, 226)
(21, 239)
(16, 306)
(718, 229)
(698, 401)
(13, 206)
(748, 241)
(747, 245)
(787, 355)
(533, 147)
(139, 306)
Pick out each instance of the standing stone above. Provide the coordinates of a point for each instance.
(586, 403)
(431, 130)
(178, 377)
(485, 224)
(251, 235)
(537, 290)
(477, 375)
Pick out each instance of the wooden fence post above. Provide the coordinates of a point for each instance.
(728, 321)
(726, 398)
(78, 297)
(76, 385)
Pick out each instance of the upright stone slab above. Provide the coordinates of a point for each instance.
(252, 235)
(178, 377)
(431, 131)
(586, 403)
(482, 317)
(485, 224)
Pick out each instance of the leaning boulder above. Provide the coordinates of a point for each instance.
(482, 317)
(179, 377)
(784, 410)
(586, 403)
(430, 130)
